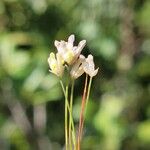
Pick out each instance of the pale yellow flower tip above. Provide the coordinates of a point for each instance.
(56, 64)
(89, 66)
(68, 57)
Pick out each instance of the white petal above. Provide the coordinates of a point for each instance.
(62, 47)
(95, 72)
(77, 70)
(56, 43)
(86, 67)
(90, 62)
(82, 43)
(59, 59)
(78, 62)
(71, 39)
(89, 66)
(82, 57)
(63, 44)
(80, 47)
(48, 61)
(90, 57)
(74, 48)
(55, 64)
(51, 58)
(70, 46)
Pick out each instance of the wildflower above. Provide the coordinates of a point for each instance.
(77, 69)
(89, 66)
(70, 56)
(56, 64)
(68, 51)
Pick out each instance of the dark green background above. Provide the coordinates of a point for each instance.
(31, 100)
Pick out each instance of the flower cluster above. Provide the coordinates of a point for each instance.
(70, 55)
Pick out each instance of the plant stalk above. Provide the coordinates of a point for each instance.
(82, 113)
(66, 118)
(87, 99)
(71, 122)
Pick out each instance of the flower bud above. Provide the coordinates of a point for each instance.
(56, 64)
(89, 66)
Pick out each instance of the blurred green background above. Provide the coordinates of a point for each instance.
(31, 100)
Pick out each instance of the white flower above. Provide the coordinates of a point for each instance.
(89, 66)
(77, 69)
(68, 51)
(56, 64)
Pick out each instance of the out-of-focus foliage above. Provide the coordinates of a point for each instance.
(31, 100)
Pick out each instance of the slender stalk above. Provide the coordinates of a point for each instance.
(66, 118)
(65, 91)
(62, 85)
(73, 133)
(88, 93)
(71, 118)
(71, 122)
(87, 99)
(82, 113)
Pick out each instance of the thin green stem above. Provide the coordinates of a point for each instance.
(71, 122)
(71, 118)
(65, 91)
(63, 88)
(88, 93)
(66, 118)
(62, 85)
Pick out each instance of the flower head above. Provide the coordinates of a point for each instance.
(89, 66)
(68, 51)
(56, 64)
(77, 68)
